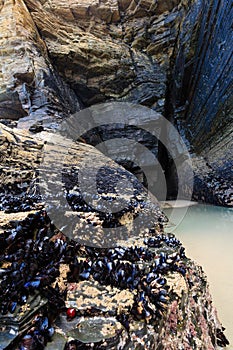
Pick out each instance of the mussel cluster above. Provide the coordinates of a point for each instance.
(32, 251)
(119, 268)
(132, 201)
(31, 258)
(30, 264)
(18, 197)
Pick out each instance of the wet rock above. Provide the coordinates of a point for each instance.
(211, 185)
(13, 325)
(58, 342)
(93, 297)
(172, 56)
(144, 291)
(148, 312)
(93, 218)
(106, 333)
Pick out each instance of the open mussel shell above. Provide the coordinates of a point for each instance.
(99, 332)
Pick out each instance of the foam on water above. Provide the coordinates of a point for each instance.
(207, 234)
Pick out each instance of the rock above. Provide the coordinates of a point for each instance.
(99, 330)
(79, 53)
(14, 325)
(136, 293)
(29, 85)
(56, 56)
(86, 295)
(20, 178)
(124, 201)
(211, 184)
(110, 49)
(201, 98)
(58, 342)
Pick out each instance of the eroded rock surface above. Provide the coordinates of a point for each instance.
(143, 292)
(29, 84)
(112, 49)
(107, 50)
(173, 56)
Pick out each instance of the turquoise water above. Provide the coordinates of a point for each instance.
(207, 234)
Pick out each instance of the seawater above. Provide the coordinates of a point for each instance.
(207, 234)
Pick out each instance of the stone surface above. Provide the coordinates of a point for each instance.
(20, 178)
(142, 293)
(117, 50)
(16, 324)
(173, 56)
(201, 97)
(86, 295)
(29, 84)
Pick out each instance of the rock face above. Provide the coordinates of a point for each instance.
(201, 97)
(172, 56)
(209, 111)
(29, 84)
(107, 50)
(57, 57)
(18, 175)
(142, 292)
(110, 50)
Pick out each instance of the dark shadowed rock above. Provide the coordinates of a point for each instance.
(201, 97)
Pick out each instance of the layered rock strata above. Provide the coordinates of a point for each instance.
(58, 55)
(201, 97)
(29, 85)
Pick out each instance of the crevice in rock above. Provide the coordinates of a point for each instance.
(203, 79)
(164, 157)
